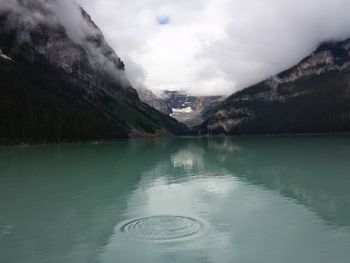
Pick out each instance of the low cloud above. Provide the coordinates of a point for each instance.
(216, 46)
(29, 14)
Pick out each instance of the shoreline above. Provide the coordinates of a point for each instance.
(12, 143)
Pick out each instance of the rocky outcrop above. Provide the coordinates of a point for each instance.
(154, 101)
(311, 97)
(328, 57)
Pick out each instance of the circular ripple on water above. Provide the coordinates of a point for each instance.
(163, 227)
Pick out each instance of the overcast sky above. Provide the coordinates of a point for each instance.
(215, 46)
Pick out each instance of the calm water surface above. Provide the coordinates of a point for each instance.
(246, 199)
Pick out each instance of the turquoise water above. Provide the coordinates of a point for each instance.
(244, 199)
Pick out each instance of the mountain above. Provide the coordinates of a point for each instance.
(311, 97)
(61, 81)
(159, 103)
(188, 109)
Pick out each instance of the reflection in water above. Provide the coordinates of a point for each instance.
(259, 199)
(64, 201)
(312, 170)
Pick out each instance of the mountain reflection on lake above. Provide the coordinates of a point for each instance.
(244, 199)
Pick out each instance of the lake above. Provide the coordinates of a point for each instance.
(195, 200)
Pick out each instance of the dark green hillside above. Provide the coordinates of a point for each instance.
(324, 110)
(39, 105)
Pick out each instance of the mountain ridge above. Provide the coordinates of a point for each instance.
(310, 97)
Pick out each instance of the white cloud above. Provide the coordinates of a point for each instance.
(215, 46)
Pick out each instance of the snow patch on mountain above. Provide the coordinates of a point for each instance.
(3, 56)
(182, 110)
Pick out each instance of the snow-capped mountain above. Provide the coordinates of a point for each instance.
(188, 109)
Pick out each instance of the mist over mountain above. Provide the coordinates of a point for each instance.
(311, 97)
(61, 81)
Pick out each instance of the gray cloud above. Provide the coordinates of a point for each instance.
(216, 46)
(264, 38)
(208, 46)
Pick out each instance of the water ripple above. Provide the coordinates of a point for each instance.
(162, 227)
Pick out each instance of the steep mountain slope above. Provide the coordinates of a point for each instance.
(61, 81)
(188, 109)
(311, 97)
